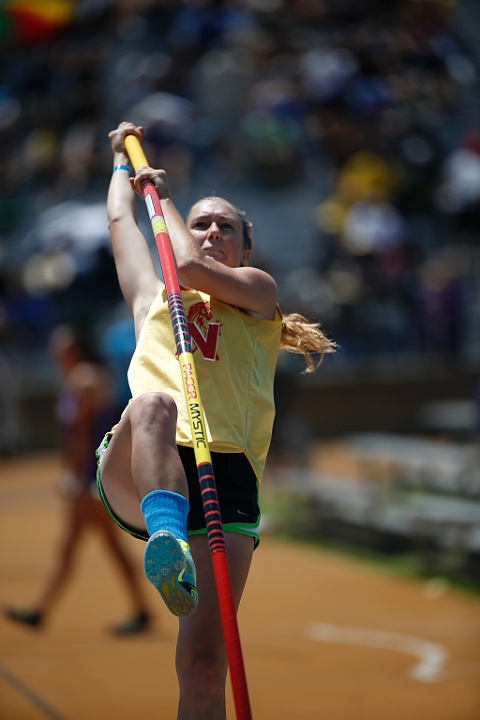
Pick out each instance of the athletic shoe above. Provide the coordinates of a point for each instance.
(25, 617)
(138, 623)
(170, 568)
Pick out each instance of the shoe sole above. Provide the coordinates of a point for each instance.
(164, 562)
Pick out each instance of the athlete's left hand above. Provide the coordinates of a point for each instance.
(157, 177)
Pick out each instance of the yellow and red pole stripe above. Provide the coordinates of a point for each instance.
(203, 459)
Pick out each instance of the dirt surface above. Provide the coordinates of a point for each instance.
(324, 637)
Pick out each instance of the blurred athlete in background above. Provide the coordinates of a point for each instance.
(84, 411)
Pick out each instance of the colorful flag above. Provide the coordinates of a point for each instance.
(31, 21)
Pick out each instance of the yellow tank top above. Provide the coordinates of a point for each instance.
(235, 358)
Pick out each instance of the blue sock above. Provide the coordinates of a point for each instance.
(165, 510)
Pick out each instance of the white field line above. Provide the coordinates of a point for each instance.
(433, 656)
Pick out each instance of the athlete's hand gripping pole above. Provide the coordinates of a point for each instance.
(197, 425)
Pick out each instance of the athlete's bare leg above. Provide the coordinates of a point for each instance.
(201, 660)
(142, 456)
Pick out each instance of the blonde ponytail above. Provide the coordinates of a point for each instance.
(301, 336)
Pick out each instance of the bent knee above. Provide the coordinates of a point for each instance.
(153, 408)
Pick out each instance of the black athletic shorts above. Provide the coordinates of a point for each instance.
(237, 490)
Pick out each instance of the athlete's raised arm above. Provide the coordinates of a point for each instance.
(136, 272)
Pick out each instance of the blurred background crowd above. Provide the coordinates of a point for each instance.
(374, 107)
(349, 130)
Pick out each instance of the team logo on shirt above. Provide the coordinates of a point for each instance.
(203, 332)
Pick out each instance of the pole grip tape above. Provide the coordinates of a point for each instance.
(159, 226)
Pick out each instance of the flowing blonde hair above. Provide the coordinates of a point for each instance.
(301, 336)
(298, 334)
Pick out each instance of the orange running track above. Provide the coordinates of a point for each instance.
(324, 637)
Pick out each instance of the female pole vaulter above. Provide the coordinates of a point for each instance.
(147, 472)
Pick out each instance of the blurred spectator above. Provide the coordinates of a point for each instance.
(85, 413)
(441, 305)
(460, 189)
(274, 128)
(28, 318)
(117, 346)
(363, 100)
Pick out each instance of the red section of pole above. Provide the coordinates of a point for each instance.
(164, 248)
(231, 636)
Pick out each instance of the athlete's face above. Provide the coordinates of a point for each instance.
(218, 229)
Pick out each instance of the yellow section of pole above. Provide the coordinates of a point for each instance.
(135, 152)
(196, 415)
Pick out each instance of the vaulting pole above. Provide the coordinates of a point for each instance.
(206, 477)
